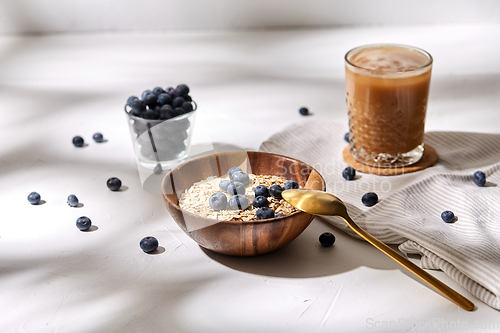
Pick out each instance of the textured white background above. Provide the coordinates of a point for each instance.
(249, 85)
(35, 16)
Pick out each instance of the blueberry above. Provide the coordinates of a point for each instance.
(279, 215)
(145, 93)
(148, 114)
(327, 239)
(369, 199)
(150, 100)
(291, 185)
(275, 191)
(138, 105)
(304, 111)
(188, 98)
(179, 111)
(264, 213)
(238, 201)
(98, 137)
(241, 177)
(158, 90)
(130, 100)
(182, 90)
(349, 173)
(261, 190)
(260, 201)
(448, 216)
(218, 201)
(346, 137)
(479, 178)
(164, 99)
(178, 101)
(223, 184)
(170, 91)
(34, 198)
(78, 141)
(114, 184)
(187, 106)
(72, 200)
(166, 112)
(232, 170)
(149, 244)
(83, 223)
(235, 188)
(135, 112)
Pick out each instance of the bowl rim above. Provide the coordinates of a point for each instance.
(323, 183)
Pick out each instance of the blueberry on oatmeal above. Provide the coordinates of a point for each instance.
(235, 188)
(291, 184)
(275, 191)
(265, 213)
(238, 202)
(218, 201)
(241, 177)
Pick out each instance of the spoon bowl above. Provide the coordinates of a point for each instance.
(326, 204)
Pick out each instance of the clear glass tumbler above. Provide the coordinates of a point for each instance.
(387, 91)
(161, 144)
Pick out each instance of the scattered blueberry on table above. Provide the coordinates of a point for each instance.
(149, 244)
(218, 201)
(304, 111)
(233, 170)
(241, 177)
(369, 199)
(349, 173)
(72, 200)
(479, 178)
(235, 188)
(346, 137)
(327, 239)
(448, 216)
(264, 213)
(34, 198)
(260, 201)
(83, 223)
(276, 191)
(114, 183)
(78, 141)
(223, 184)
(238, 201)
(291, 185)
(261, 190)
(98, 137)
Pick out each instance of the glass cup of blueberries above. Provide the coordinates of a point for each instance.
(161, 124)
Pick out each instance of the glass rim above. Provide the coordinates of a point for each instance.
(402, 46)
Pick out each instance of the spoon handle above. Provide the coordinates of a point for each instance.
(446, 291)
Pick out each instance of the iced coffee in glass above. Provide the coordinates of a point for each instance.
(387, 91)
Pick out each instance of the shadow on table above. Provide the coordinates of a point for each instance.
(306, 258)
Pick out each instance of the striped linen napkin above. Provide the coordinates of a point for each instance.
(409, 209)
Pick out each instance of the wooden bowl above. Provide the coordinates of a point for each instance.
(239, 238)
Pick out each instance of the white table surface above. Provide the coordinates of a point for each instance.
(248, 85)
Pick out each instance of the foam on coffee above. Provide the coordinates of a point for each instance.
(388, 60)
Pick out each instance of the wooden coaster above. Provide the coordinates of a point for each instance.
(428, 159)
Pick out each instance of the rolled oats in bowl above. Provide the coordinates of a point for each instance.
(196, 199)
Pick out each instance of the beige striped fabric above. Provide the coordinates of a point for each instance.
(409, 209)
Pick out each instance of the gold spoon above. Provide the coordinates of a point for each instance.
(322, 203)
